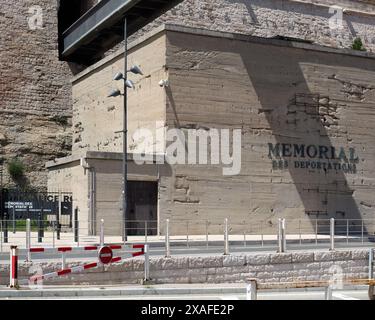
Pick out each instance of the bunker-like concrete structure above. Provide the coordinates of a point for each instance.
(305, 113)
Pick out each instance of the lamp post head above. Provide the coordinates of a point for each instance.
(118, 76)
(136, 70)
(115, 93)
(130, 84)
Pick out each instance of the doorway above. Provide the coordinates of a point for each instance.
(142, 208)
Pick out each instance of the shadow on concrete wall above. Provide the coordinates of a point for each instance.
(294, 114)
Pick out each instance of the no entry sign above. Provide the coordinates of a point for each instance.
(105, 255)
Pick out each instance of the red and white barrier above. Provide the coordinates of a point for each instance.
(13, 267)
(65, 271)
(82, 249)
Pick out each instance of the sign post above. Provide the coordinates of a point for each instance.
(105, 255)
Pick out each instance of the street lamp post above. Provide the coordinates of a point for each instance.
(125, 134)
(115, 93)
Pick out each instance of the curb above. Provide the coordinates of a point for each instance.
(48, 293)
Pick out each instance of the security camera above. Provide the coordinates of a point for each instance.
(164, 83)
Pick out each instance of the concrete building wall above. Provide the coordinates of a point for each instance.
(97, 118)
(36, 103)
(70, 176)
(275, 93)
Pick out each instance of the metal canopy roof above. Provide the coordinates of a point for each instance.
(102, 27)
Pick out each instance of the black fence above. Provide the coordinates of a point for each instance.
(48, 206)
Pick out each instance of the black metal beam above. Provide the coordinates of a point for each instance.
(99, 29)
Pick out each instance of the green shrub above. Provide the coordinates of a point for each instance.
(358, 45)
(16, 168)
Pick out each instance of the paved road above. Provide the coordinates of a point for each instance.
(203, 250)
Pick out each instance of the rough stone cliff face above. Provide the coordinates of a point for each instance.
(35, 90)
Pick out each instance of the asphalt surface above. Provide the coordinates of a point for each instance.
(192, 251)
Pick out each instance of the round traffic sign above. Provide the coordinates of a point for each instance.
(105, 255)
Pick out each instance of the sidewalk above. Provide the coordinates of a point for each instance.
(151, 290)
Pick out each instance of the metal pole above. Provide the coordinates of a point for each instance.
(332, 234)
(252, 290)
(6, 239)
(146, 231)
(102, 232)
(362, 231)
(53, 233)
(347, 231)
(187, 234)
(300, 235)
(125, 134)
(147, 263)
(40, 239)
(283, 224)
(226, 237)
(371, 264)
(42, 214)
(14, 219)
(76, 226)
(167, 244)
(207, 234)
(316, 231)
(63, 260)
(280, 236)
(1, 236)
(28, 240)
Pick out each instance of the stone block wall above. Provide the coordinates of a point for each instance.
(266, 267)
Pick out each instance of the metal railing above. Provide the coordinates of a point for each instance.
(172, 235)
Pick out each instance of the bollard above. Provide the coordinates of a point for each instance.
(147, 263)
(28, 240)
(13, 283)
(226, 237)
(63, 260)
(332, 234)
(281, 235)
(251, 293)
(76, 226)
(102, 232)
(167, 244)
(6, 239)
(328, 293)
